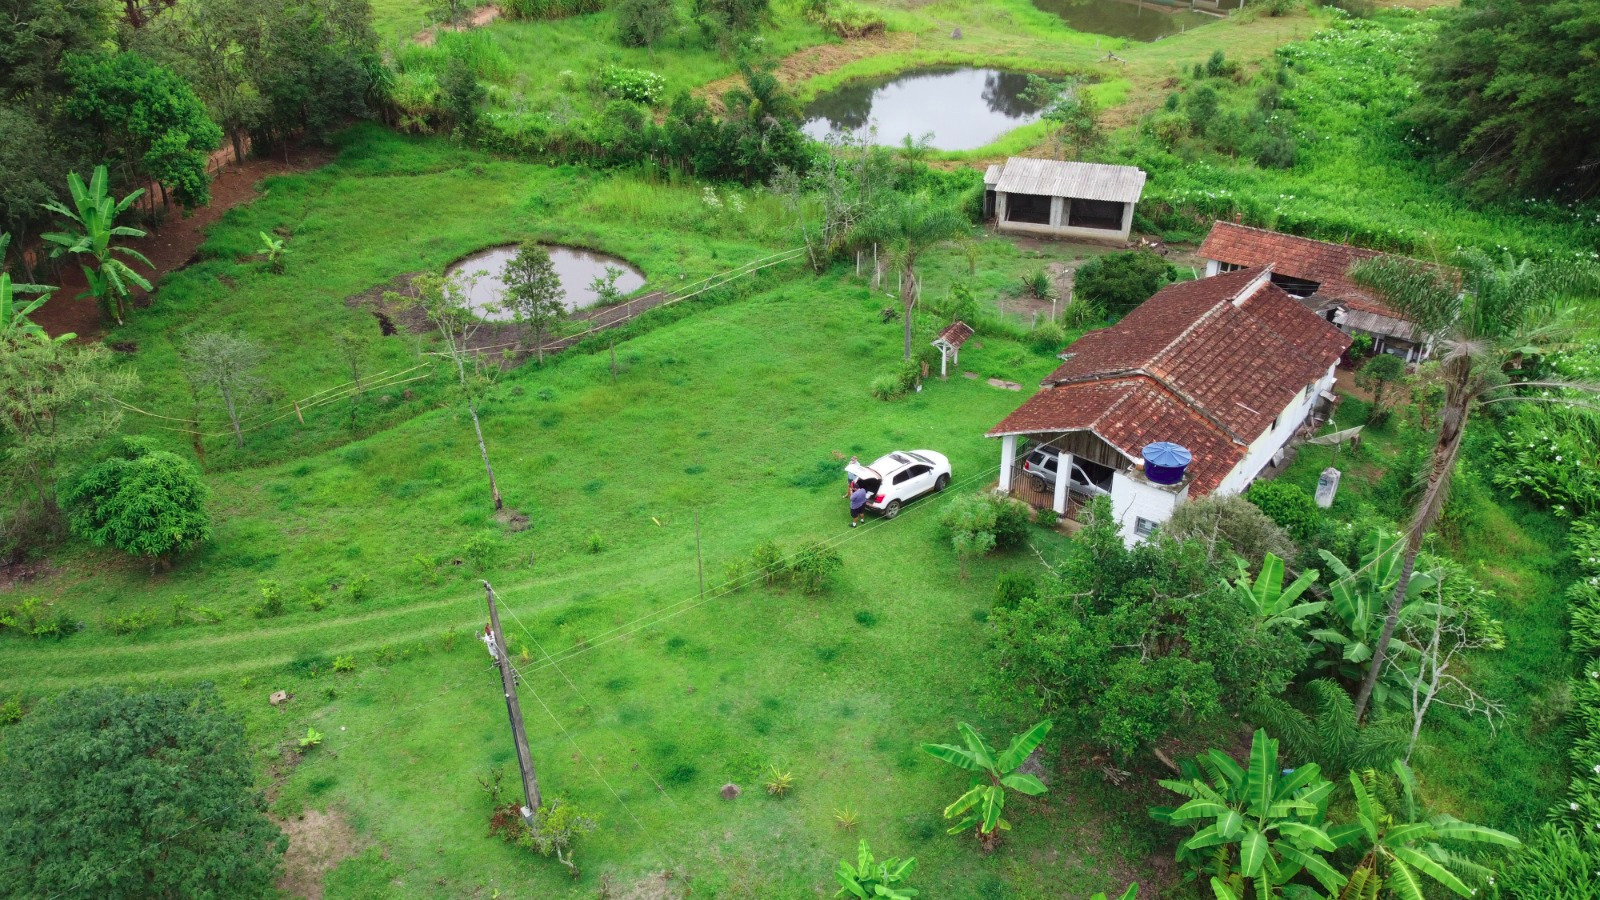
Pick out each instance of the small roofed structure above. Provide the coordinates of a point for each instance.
(1317, 273)
(949, 344)
(1206, 382)
(1062, 199)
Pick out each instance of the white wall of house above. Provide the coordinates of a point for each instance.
(1058, 220)
(1133, 499)
(1273, 439)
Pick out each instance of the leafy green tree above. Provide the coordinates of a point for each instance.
(315, 65)
(151, 115)
(1290, 506)
(1479, 316)
(116, 793)
(94, 213)
(640, 23)
(210, 44)
(144, 502)
(907, 226)
(992, 774)
(31, 160)
(1401, 849)
(1262, 827)
(724, 22)
(869, 878)
(533, 293)
(1508, 92)
(1376, 375)
(53, 407)
(37, 34)
(1126, 646)
(1118, 282)
(971, 522)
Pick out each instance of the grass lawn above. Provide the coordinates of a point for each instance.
(737, 410)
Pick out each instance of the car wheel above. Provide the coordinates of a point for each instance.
(1039, 485)
(892, 510)
(941, 484)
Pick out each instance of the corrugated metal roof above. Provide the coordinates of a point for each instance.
(991, 177)
(1084, 181)
(1375, 323)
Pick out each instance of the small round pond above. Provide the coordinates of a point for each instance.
(576, 268)
(963, 108)
(1138, 20)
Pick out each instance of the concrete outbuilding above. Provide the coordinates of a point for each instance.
(1054, 198)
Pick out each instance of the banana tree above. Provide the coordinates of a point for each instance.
(94, 213)
(1359, 598)
(1402, 850)
(19, 287)
(869, 878)
(992, 774)
(1262, 828)
(1269, 601)
(14, 321)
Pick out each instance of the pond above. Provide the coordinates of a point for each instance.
(963, 108)
(576, 268)
(1139, 20)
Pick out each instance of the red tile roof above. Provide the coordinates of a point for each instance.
(1208, 364)
(1297, 257)
(955, 334)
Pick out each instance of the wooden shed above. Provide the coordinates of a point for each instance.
(1063, 199)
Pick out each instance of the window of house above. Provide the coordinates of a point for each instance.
(1275, 422)
(1144, 527)
(1030, 208)
(1309, 388)
(1228, 267)
(1095, 214)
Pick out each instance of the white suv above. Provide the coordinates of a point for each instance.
(901, 476)
(1040, 467)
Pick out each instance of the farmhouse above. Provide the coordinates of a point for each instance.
(1228, 368)
(1062, 199)
(1317, 274)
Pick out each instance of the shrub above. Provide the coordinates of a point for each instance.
(313, 598)
(1288, 505)
(1231, 525)
(1036, 284)
(640, 23)
(971, 522)
(896, 384)
(556, 828)
(11, 711)
(141, 501)
(1011, 588)
(481, 550)
(1011, 520)
(1121, 281)
(360, 588)
(635, 85)
(813, 566)
(779, 783)
(1048, 338)
(271, 600)
(344, 663)
(844, 19)
(595, 542)
(767, 560)
(1047, 518)
(37, 618)
(133, 622)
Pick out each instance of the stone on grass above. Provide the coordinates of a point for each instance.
(730, 791)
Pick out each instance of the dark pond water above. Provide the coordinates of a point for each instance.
(576, 268)
(1148, 20)
(963, 108)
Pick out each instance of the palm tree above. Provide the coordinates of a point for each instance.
(909, 225)
(1480, 316)
(95, 213)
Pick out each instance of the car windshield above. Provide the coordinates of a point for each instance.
(919, 457)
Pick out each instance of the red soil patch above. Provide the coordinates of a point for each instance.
(481, 16)
(171, 246)
(814, 61)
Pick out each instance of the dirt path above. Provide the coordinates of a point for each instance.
(174, 244)
(481, 16)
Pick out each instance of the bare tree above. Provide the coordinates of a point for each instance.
(445, 301)
(1427, 673)
(224, 363)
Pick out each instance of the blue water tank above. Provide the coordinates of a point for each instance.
(1166, 462)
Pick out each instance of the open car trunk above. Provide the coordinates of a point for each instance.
(869, 479)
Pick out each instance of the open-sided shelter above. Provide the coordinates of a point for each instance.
(1063, 199)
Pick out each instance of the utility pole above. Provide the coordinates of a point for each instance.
(501, 654)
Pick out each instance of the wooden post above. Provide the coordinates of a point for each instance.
(613, 360)
(699, 565)
(297, 414)
(519, 736)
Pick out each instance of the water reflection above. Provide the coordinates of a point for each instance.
(962, 108)
(1139, 20)
(575, 267)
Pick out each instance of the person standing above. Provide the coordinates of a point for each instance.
(858, 504)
